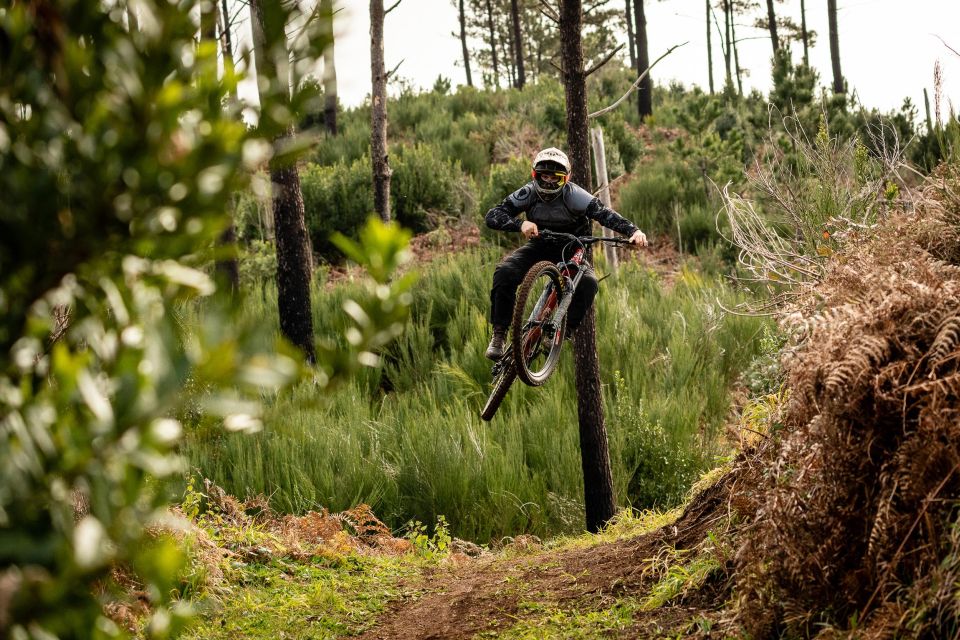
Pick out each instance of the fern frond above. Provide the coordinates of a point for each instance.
(866, 353)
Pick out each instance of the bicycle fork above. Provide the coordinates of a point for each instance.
(570, 285)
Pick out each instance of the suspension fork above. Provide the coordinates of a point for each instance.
(571, 286)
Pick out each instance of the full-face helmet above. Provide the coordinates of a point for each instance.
(551, 168)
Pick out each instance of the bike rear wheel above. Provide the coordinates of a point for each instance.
(501, 384)
(536, 342)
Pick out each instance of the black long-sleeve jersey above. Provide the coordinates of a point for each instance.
(569, 212)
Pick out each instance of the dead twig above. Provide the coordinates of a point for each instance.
(636, 83)
(604, 61)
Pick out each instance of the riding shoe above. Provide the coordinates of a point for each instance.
(495, 349)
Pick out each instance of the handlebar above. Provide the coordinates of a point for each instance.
(546, 234)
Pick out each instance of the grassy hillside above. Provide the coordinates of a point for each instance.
(406, 437)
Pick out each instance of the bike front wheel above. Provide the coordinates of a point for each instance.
(501, 384)
(536, 341)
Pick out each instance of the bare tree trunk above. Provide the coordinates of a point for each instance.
(600, 161)
(292, 243)
(509, 57)
(226, 37)
(132, 23)
(225, 265)
(463, 44)
(493, 45)
(736, 51)
(598, 494)
(631, 40)
(293, 257)
(728, 50)
(518, 44)
(838, 84)
(709, 48)
(645, 90)
(804, 35)
(772, 20)
(378, 115)
(329, 69)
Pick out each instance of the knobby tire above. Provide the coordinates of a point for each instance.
(501, 385)
(533, 286)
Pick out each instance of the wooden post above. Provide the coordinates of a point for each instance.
(600, 162)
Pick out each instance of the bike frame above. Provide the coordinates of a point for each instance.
(572, 271)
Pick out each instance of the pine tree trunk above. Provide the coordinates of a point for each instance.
(598, 497)
(493, 45)
(631, 39)
(518, 44)
(225, 266)
(378, 115)
(838, 84)
(293, 258)
(463, 44)
(772, 20)
(645, 90)
(736, 51)
(710, 49)
(290, 229)
(728, 50)
(804, 35)
(329, 69)
(226, 38)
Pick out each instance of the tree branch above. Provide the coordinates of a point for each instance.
(394, 70)
(395, 5)
(955, 52)
(604, 61)
(636, 83)
(549, 11)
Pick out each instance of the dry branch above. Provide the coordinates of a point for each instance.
(636, 83)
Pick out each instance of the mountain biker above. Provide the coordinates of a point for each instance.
(549, 201)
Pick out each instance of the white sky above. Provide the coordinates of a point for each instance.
(888, 47)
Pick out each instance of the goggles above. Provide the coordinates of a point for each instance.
(551, 176)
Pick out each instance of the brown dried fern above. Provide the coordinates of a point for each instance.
(864, 355)
(945, 344)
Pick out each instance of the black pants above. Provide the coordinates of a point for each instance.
(511, 270)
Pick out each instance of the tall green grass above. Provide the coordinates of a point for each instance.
(406, 437)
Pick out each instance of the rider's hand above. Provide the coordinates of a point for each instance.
(529, 230)
(639, 239)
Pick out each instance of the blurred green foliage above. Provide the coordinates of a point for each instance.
(119, 153)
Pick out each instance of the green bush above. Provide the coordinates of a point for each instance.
(119, 152)
(659, 469)
(424, 185)
(338, 198)
(658, 189)
(351, 143)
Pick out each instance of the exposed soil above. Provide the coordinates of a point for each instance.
(473, 596)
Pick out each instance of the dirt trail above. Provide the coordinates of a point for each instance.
(486, 595)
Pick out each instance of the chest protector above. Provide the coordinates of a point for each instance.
(565, 213)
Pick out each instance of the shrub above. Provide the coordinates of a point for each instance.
(423, 183)
(652, 198)
(336, 198)
(659, 469)
(351, 143)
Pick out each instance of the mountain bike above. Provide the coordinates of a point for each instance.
(540, 318)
